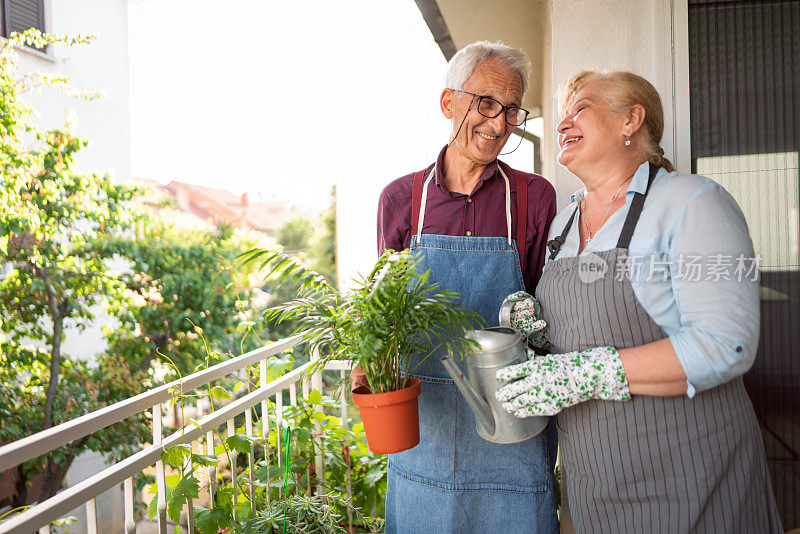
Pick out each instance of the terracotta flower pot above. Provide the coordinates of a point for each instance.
(391, 420)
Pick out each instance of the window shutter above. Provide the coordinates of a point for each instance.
(21, 15)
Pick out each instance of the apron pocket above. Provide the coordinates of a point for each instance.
(483, 465)
(432, 461)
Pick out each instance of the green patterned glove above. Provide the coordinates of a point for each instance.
(526, 317)
(551, 383)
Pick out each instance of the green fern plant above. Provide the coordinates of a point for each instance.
(390, 315)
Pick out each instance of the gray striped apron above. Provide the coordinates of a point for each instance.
(652, 464)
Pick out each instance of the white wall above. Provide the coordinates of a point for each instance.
(101, 66)
(634, 35)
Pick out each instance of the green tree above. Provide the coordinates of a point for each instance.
(295, 235)
(184, 286)
(54, 222)
(323, 249)
(72, 245)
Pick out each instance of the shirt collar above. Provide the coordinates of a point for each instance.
(638, 184)
(488, 173)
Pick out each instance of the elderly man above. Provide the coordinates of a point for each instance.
(480, 227)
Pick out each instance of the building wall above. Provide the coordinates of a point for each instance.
(634, 35)
(101, 66)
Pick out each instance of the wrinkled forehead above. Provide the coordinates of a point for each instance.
(495, 78)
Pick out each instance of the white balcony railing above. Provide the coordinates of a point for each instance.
(40, 516)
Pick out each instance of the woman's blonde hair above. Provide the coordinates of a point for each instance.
(624, 89)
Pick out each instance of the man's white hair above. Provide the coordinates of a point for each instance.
(465, 60)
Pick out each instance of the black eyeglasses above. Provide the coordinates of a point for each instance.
(491, 108)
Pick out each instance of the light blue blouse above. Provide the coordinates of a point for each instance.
(692, 267)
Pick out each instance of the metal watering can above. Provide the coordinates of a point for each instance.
(498, 347)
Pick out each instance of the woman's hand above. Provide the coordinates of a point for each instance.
(551, 383)
(526, 316)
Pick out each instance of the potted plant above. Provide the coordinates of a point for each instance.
(389, 316)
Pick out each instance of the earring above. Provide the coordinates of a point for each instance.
(627, 140)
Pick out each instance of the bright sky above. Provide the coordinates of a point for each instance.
(257, 96)
(284, 99)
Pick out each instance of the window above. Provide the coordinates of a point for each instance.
(20, 15)
(744, 71)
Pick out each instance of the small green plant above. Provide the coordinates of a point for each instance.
(281, 495)
(307, 514)
(389, 316)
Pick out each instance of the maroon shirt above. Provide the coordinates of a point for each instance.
(482, 213)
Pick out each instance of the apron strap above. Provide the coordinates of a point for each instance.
(555, 244)
(636, 210)
(627, 229)
(522, 215)
(416, 199)
(417, 206)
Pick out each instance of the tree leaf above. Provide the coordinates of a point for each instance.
(210, 521)
(315, 397)
(187, 488)
(175, 455)
(205, 460)
(239, 443)
(152, 507)
(374, 475)
(219, 392)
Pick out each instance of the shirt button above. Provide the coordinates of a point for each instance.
(469, 233)
(469, 200)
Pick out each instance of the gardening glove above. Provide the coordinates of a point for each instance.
(526, 317)
(551, 383)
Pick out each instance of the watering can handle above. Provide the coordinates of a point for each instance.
(504, 317)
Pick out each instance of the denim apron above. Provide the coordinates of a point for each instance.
(455, 481)
(652, 464)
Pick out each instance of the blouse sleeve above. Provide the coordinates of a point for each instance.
(716, 291)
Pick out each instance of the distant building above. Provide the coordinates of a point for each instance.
(200, 207)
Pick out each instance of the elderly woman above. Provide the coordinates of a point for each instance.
(653, 317)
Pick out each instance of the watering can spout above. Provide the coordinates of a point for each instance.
(495, 348)
(483, 413)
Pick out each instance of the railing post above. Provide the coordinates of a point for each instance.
(305, 389)
(346, 444)
(234, 457)
(189, 502)
(292, 402)
(319, 458)
(262, 382)
(212, 469)
(130, 522)
(91, 516)
(278, 431)
(251, 459)
(161, 483)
